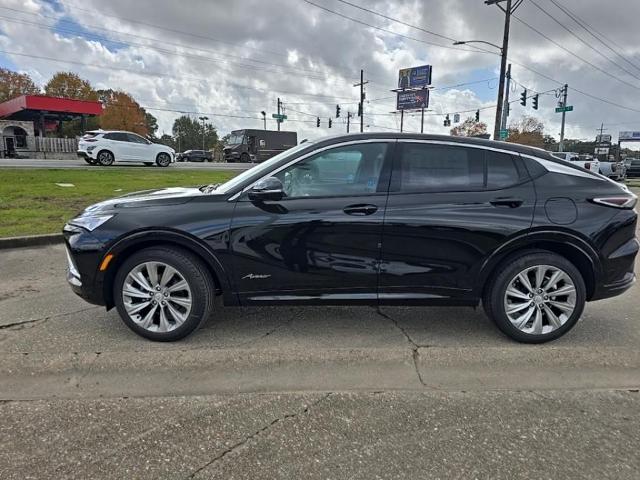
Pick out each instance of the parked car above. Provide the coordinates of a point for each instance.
(612, 169)
(633, 167)
(593, 165)
(195, 156)
(374, 219)
(104, 147)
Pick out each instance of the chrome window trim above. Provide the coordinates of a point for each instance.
(307, 155)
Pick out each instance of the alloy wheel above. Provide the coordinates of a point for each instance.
(540, 299)
(156, 297)
(163, 160)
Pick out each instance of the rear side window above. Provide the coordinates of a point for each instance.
(501, 170)
(430, 167)
(118, 136)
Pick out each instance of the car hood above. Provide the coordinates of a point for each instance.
(148, 198)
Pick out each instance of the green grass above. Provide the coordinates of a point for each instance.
(31, 202)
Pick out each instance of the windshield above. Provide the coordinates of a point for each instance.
(236, 138)
(260, 168)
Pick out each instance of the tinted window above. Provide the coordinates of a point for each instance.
(501, 170)
(426, 167)
(350, 170)
(118, 136)
(135, 138)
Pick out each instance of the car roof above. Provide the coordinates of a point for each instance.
(513, 147)
(109, 131)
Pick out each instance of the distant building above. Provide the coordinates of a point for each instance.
(25, 121)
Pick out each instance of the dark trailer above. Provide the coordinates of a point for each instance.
(253, 145)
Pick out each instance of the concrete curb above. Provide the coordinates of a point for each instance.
(31, 241)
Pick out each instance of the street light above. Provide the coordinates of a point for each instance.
(203, 129)
(464, 42)
(264, 118)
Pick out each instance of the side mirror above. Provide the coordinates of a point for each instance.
(269, 188)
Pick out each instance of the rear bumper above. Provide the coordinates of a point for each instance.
(618, 274)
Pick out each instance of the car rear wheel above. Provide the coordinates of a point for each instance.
(163, 160)
(163, 293)
(536, 297)
(105, 158)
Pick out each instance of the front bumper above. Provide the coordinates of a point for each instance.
(84, 254)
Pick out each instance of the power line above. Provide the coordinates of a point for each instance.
(163, 74)
(583, 41)
(392, 32)
(597, 35)
(575, 54)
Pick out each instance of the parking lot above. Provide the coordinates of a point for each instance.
(335, 392)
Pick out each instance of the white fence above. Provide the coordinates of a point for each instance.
(62, 145)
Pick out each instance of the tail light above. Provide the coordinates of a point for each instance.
(617, 201)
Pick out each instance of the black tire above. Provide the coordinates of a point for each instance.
(494, 304)
(105, 158)
(148, 164)
(245, 158)
(192, 270)
(163, 160)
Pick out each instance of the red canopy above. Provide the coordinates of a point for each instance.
(28, 107)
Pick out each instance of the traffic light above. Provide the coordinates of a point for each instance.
(329, 123)
(478, 115)
(318, 122)
(534, 102)
(337, 111)
(523, 98)
(447, 121)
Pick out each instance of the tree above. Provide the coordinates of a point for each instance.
(151, 122)
(14, 84)
(187, 133)
(70, 85)
(527, 131)
(122, 112)
(469, 128)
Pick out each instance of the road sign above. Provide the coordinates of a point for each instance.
(279, 117)
(603, 138)
(568, 108)
(504, 134)
(456, 118)
(601, 150)
(412, 100)
(415, 77)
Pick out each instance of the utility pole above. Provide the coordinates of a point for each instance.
(362, 97)
(508, 10)
(422, 121)
(348, 120)
(203, 129)
(564, 104)
(505, 110)
(601, 129)
(278, 119)
(401, 120)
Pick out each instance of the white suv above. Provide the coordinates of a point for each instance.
(103, 147)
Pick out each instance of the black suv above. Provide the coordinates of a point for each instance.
(195, 156)
(373, 219)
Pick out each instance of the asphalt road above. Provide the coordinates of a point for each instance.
(291, 392)
(79, 163)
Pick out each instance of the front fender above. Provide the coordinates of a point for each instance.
(134, 241)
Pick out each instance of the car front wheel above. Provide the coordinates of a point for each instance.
(163, 160)
(536, 297)
(105, 158)
(163, 293)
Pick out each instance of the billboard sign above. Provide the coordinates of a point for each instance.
(601, 150)
(415, 77)
(412, 100)
(603, 138)
(629, 136)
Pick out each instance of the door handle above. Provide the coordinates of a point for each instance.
(360, 209)
(511, 202)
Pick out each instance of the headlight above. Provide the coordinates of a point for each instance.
(90, 222)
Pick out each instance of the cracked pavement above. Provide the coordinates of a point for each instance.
(319, 392)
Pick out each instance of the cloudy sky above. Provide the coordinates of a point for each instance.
(231, 59)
